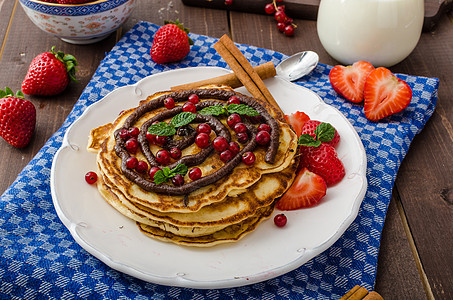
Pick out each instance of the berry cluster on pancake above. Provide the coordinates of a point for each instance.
(229, 199)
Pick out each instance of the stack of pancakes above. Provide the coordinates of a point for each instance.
(222, 211)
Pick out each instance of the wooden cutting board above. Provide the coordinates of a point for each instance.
(308, 9)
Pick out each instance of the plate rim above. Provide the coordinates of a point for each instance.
(179, 281)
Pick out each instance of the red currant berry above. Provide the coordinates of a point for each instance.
(195, 173)
(91, 177)
(151, 138)
(131, 162)
(242, 137)
(280, 220)
(280, 16)
(161, 139)
(248, 158)
(175, 153)
(124, 134)
(134, 131)
(288, 21)
(163, 157)
(131, 145)
(142, 166)
(233, 119)
(281, 7)
(228, 2)
(153, 171)
(281, 26)
(263, 138)
(203, 127)
(234, 100)
(169, 103)
(177, 180)
(226, 156)
(189, 107)
(264, 127)
(240, 128)
(202, 140)
(194, 98)
(289, 30)
(220, 143)
(234, 148)
(269, 8)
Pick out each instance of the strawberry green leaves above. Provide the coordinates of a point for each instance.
(324, 132)
(241, 109)
(166, 173)
(9, 93)
(165, 129)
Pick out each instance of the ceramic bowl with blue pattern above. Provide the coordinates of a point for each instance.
(79, 23)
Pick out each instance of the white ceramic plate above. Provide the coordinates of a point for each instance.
(265, 253)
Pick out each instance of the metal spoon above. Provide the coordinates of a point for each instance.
(298, 65)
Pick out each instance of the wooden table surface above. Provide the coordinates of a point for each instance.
(416, 253)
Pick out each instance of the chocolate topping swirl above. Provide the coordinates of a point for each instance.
(192, 160)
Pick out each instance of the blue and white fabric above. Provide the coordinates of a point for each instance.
(40, 260)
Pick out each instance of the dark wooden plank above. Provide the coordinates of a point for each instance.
(424, 181)
(6, 8)
(397, 274)
(396, 266)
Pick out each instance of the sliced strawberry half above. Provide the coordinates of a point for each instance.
(349, 81)
(297, 120)
(385, 94)
(306, 190)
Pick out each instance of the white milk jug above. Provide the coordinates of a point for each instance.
(383, 32)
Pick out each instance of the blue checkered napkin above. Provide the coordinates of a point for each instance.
(40, 259)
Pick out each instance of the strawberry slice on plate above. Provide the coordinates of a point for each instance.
(297, 121)
(306, 190)
(349, 81)
(385, 94)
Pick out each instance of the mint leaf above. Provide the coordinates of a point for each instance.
(214, 110)
(325, 132)
(308, 140)
(159, 177)
(180, 169)
(162, 128)
(166, 173)
(242, 109)
(182, 119)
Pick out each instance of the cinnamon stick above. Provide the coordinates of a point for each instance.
(356, 293)
(264, 71)
(244, 71)
(373, 296)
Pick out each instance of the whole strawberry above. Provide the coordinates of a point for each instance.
(17, 118)
(49, 73)
(321, 131)
(323, 161)
(171, 43)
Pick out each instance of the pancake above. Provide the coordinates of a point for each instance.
(230, 233)
(211, 218)
(228, 201)
(239, 179)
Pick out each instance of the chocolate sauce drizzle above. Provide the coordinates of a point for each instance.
(196, 159)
